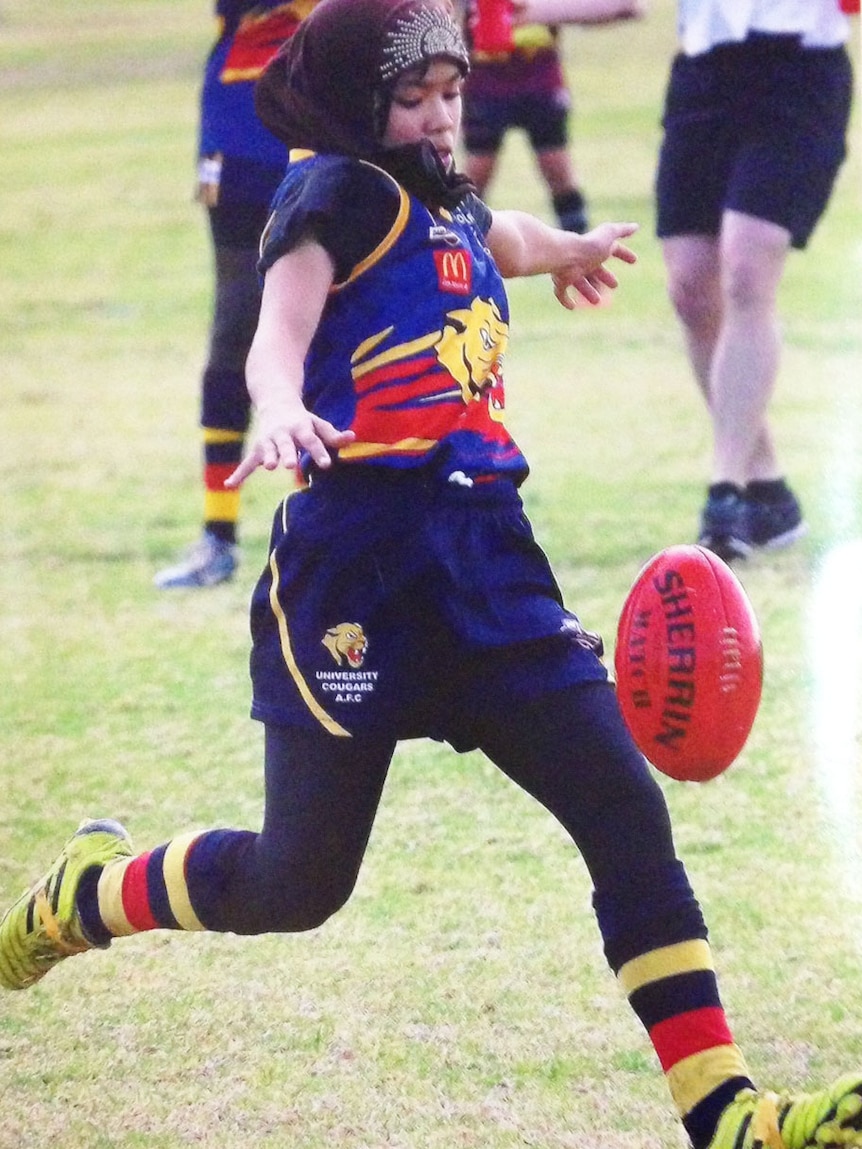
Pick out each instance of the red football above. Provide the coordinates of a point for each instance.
(689, 663)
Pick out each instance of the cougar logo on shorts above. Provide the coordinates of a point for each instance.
(346, 643)
(470, 346)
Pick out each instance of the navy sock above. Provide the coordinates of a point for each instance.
(768, 491)
(571, 211)
(87, 905)
(723, 490)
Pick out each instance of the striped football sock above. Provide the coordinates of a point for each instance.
(222, 452)
(674, 992)
(149, 892)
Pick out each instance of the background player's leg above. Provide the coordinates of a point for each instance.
(225, 402)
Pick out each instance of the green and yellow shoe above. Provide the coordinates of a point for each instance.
(43, 926)
(829, 1118)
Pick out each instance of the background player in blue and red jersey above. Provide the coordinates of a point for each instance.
(522, 85)
(405, 594)
(240, 165)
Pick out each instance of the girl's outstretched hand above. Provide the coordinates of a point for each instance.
(585, 272)
(281, 437)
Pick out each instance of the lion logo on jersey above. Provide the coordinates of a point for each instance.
(346, 643)
(470, 346)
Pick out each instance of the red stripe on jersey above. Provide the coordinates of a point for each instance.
(400, 369)
(477, 418)
(257, 40)
(689, 1033)
(136, 899)
(373, 425)
(407, 396)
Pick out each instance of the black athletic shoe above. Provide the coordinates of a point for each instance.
(724, 527)
(775, 524)
(571, 211)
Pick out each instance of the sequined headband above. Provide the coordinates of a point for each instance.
(417, 37)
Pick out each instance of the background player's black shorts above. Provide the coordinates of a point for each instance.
(759, 128)
(406, 605)
(542, 115)
(245, 196)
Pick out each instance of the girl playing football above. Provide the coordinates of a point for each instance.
(377, 370)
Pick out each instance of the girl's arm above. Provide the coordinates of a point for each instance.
(577, 11)
(294, 293)
(523, 245)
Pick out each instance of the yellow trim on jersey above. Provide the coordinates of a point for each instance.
(368, 345)
(683, 957)
(402, 351)
(308, 698)
(241, 75)
(695, 1077)
(388, 240)
(368, 450)
(532, 38)
(296, 154)
(176, 887)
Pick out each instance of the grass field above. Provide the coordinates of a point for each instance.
(461, 998)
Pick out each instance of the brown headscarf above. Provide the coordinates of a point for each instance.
(329, 89)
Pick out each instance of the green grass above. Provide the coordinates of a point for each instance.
(461, 998)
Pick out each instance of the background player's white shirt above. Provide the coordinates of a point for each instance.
(704, 23)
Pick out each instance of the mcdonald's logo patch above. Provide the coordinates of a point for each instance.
(454, 270)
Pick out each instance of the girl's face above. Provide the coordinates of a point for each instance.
(427, 106)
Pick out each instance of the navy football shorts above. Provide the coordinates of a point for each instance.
(759, 128)
(542, 115)
(404, 605)
(246, 188)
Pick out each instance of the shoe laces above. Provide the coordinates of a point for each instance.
(804, 1121)
(801, 1122)
(54, 930)
(764, 1122)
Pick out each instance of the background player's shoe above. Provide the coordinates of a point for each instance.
(571, 211)
(724, 525)
(210, 561)
(43, 926)
(830, 1117)
(777, 523)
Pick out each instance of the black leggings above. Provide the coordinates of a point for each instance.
(569, 750)
(235, 232)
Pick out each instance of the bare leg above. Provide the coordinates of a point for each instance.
(724, 292)
(480, 166)
(557, 170)
(692, 263)
(745, 362)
